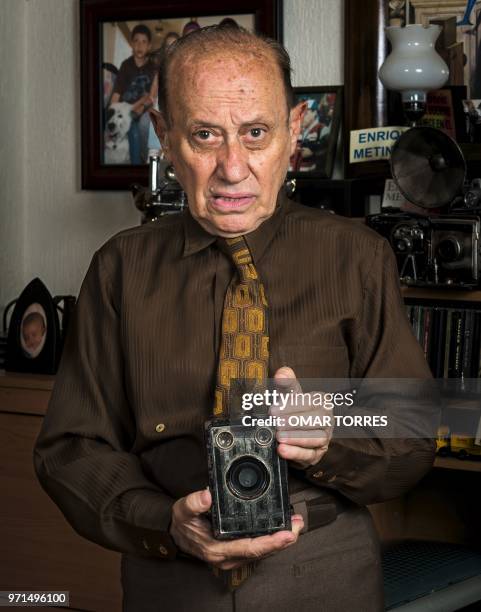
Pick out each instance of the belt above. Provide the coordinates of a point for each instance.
(318, 509)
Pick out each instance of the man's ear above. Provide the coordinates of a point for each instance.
(295, 122)
(160, 128)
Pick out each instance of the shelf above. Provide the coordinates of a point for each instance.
(453, 463)
(441, 294)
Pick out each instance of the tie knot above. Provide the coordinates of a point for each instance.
(238, 251)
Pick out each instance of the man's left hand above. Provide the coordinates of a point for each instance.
(302, 446)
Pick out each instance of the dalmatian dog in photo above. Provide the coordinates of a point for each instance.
(117, 124)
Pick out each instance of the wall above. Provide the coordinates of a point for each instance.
(313, 35)
(49, 227)
(12, 147)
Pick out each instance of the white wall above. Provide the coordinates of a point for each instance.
(12, 147)
(48, 226)
(313, 35)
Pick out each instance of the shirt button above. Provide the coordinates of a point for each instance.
(146, 546)
(318, 474)
(159, 428)
(163, 551)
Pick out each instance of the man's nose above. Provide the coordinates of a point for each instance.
(232, 162)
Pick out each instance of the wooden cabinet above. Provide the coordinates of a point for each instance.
(39, 550)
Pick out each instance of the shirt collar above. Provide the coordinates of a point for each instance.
(197, 238)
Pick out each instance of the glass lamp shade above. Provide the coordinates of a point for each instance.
(413, 67)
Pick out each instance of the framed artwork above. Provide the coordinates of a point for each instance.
(121, 43)
(316, 147)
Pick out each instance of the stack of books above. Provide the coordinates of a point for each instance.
(450, 338)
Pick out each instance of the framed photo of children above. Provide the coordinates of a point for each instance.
(317, 143)
(121, 46)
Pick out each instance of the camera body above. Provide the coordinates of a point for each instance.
(247, 479)
(435, 250)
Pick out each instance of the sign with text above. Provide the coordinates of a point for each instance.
(373, 143)
(392, 197)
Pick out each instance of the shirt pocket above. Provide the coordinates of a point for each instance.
(314, 361)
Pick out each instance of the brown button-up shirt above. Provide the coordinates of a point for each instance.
(123, 435)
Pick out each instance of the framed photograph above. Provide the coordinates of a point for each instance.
(121, 43)
(316, 147)
(34, 339)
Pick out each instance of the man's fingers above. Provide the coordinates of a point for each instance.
(286, 380)
(262, 546)
(303, 456)
(302, 438)
(232, 563)
(194, 504)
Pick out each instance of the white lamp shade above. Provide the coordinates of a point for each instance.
(413, 67)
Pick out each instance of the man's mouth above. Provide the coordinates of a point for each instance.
(224, 201)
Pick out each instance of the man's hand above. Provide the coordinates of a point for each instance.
(304, 446)
(193, 534)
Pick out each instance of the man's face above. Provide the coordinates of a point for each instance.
(140, 46)
(230, 139)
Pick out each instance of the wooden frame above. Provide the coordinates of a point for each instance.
(267, 19)
(316, 151)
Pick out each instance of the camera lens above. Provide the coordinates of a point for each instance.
(224, 440)
(247, 478)
(403, 245)
(263, 436)
(449, 249)
(402, 237)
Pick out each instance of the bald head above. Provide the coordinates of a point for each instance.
(227, 41)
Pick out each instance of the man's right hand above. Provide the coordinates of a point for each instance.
(192, 533)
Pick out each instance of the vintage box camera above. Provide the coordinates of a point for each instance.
(248, 480)
(441, 250)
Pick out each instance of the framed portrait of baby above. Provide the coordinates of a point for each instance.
(34, 338)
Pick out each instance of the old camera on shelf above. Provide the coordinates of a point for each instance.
(439, 247)
(247, 479)
(441, 250)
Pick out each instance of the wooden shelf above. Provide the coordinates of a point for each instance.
(26, 381)
(441, 294)
(453, 463)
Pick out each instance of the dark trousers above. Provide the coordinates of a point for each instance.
(334, 568)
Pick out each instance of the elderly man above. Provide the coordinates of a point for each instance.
(121, 450)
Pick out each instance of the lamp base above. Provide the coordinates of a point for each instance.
(414, 110)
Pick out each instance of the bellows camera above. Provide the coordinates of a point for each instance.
(432, 250)
(248, 480)
(440, 248)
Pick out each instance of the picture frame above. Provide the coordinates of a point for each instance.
(34, 341)
(317, 144)
(100, 171)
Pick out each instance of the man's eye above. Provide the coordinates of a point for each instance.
(256, 132)
(202, 134)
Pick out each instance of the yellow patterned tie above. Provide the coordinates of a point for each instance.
(244, 348)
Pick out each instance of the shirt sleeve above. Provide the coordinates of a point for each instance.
(82, 456)
(121, 83)
(372, 469)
